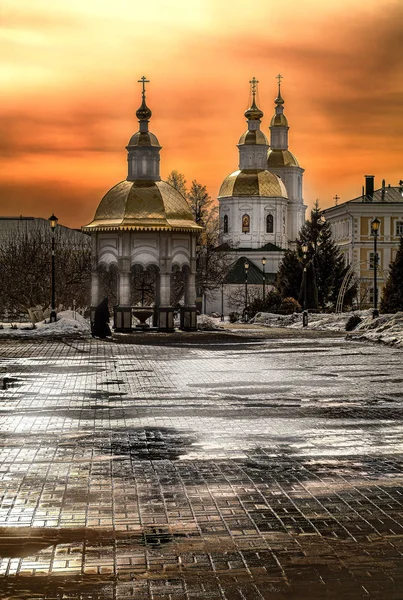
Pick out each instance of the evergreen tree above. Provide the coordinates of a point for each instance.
(392, 297)
(328, 263)
(289, 275)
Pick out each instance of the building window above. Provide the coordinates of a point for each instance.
(245, 224)
(372, 260)
(399, 227)
(225, 225)
(371, 295)
(269, 224)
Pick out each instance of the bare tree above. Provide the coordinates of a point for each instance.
(25, 269)
(211, 266)
(178, 181)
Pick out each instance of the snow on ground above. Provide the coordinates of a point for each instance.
(387, 329)
(68, 323)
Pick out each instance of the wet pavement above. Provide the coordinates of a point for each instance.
(219, 467)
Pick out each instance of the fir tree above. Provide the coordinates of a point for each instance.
(392, 297)
(289, 275)
(329, 266)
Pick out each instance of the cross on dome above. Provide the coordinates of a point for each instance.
(253, 113)
(144, 80)
(143, 113)
(279, 99)
(253, 83)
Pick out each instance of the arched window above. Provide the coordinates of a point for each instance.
(245, 224)
(225, 224)
(269, 224)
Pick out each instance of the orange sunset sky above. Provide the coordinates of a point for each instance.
(69, 92)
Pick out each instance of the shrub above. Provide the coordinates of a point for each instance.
(353, 322)
(289, 306)
(234, 317)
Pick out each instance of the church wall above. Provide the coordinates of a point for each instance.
(257, 208)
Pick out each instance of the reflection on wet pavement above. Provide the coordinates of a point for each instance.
(249, 471)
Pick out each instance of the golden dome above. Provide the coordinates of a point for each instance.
(143, 138)
(281, 158)
(253, 113)
(143, 205)
(143, 113)
(279, 120)
(253, 182)
(253, 137)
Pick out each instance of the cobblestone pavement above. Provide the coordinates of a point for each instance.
(264, 469)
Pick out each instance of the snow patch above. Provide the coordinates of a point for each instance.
(68, 323)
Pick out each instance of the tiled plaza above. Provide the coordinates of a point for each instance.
(238, 469)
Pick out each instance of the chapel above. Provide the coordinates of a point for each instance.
(144, 240)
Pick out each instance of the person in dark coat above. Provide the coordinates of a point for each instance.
(100, 326)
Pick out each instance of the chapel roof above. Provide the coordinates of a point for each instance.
(143, 205)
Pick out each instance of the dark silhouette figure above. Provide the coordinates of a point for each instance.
(100, 326)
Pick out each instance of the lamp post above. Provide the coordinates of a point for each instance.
(222, 301)
(374, 231)
(264, 277)
(246, 265)
(304, 311)
(53, 222)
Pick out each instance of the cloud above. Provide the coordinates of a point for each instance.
(74, 204)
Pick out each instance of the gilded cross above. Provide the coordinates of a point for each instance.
(143, 80)
(336, 198)
(253, 84)
(279, 77)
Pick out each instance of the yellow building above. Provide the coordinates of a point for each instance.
(351, 228)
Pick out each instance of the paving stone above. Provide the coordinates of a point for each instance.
(197, 471)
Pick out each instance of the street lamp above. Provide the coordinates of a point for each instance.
(246, 265)
(304, 311)
(374, 231)
(264, 277)
(53, 222)
(222, 300)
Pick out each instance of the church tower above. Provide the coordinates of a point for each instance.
(143, 150)
(253, 200)
(282, 162)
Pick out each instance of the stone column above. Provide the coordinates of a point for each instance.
(124, 288)
(190, 289)
(95, 287)
(123, 312)
(165, 289)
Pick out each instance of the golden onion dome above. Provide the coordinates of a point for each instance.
(143, 113)
(281, 158)
(253, 113)
(279, 101)
(279, 120)
(253, 182)
(146, 205)
(255, 137)
(143, 138)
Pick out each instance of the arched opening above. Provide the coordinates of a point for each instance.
(225, 224)
(177, 285)
(269, 223)
(108, 283)
(143, 285)
(245, 224)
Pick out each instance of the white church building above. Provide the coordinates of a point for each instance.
(261, 207)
